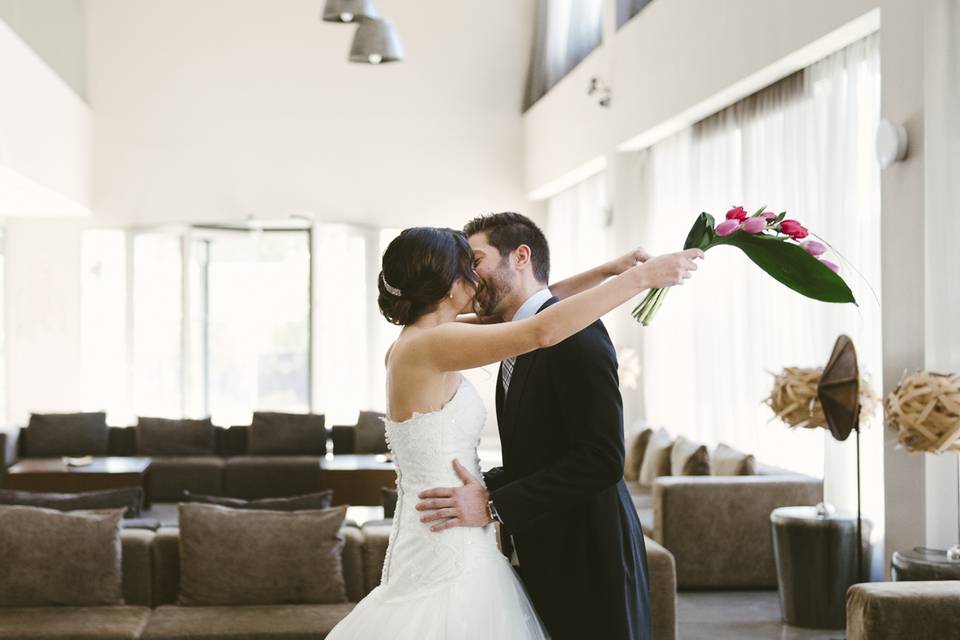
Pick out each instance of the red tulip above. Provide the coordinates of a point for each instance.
(793, 229)
(737, 213)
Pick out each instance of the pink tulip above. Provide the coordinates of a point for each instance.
(753, 225)
(793, 229)
(768, 215)
(726, 228)
(833, 267)
(814, 248)
(737, 213)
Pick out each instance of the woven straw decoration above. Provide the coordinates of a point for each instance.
(924, 410)
(794, 399)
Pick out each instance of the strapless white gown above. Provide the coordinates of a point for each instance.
(453, 584)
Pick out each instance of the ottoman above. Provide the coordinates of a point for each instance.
(898, 610)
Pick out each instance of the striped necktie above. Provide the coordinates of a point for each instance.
(506, 372)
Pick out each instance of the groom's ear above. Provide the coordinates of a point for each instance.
(523, 256)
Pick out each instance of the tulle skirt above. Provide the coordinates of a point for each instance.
(484, 603)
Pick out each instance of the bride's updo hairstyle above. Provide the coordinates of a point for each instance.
(418, 270)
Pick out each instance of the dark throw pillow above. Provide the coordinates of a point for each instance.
(304, 502)
(163, 437)
(67, 434)
(273, 433)
(128, 498)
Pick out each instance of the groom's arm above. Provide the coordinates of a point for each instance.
(584, 372)
(495, 478)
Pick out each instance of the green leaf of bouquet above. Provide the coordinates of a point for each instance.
(701, 233)
(792, 266)
(759, 211)
(779, 218)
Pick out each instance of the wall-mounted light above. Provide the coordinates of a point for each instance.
(376, 42)
(346, 11)
(891, 143)
(599, 88)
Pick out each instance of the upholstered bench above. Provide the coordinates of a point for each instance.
(896, 610)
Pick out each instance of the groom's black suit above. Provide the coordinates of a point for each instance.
(561, 495)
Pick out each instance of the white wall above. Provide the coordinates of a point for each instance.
(220, 109)
(42, 287)
(45, 136)
(54, 29)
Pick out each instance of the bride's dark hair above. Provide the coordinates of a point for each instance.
(418, 269)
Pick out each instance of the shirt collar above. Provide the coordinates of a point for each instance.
(529, 308)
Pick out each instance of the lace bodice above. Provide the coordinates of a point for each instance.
(424, 448)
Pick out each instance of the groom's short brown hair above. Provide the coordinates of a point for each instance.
(508, 230)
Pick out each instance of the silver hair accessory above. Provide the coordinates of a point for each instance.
(391, 289)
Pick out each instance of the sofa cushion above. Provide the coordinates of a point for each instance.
(261, 476)
(243, 556)
(170, 475)
(273, 622)
(636, 447)
(370, 434)
(59, 558)
(77, 623)
(727, 461)
(656, 458)
(67, 434)
(163, 437)
(128, 498)
(689, 458)
(303, 502)
(274, 433)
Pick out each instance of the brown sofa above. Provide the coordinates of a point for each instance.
(718, 527)
(151, 577)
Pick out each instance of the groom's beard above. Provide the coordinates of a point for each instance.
(495, 290)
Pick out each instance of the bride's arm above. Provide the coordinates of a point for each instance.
(455, 346)
(580, 282)
(592, 277)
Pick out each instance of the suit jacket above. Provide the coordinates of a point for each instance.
(560, 492)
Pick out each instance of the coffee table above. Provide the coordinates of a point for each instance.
(356, 479)
(52, 474)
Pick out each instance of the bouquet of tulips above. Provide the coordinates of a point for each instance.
(774, 244)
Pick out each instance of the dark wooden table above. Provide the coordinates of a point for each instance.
(356, 479)
(53, 474)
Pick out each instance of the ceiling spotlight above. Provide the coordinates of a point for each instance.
(376, 42)
(348, 10)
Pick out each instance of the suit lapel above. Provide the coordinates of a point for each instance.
(511, 400)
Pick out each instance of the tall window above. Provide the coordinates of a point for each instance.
(566, 32)
(249, 322)
(157, 337)
(103, 324)
(804, 145)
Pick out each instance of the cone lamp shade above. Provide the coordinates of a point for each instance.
(376, 42)
(346, 11)
(839, 389)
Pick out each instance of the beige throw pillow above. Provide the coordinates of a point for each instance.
(60, 558)
(249, 557)
(636, 447)
(689, 458)
(656, 458)
(727, 461)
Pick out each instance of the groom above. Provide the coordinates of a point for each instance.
(560, 494)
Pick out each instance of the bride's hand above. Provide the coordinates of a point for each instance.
(464, 506)
(668, 270)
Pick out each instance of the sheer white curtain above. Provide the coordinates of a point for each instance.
(803, 145)
(577, 227)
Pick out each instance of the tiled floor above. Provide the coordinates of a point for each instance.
(739, 615)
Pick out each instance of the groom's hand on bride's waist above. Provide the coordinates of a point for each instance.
(449, 507)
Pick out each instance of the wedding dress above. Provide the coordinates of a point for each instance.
(453, 584)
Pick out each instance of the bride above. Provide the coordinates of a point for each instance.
(456, 583)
